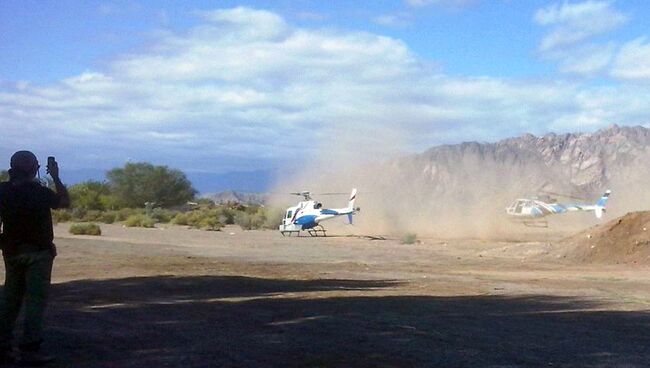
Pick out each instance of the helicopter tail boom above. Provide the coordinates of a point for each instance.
(598, 208)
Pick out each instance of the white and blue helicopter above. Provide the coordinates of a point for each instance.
(531, 211)
(308, 215)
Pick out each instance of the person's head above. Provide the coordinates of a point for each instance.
(24, 166)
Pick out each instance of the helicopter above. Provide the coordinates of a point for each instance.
(531, 211)
(308, 214)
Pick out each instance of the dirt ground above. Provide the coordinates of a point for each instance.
(186, 298)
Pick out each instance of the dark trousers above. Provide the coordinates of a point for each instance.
(27, 280)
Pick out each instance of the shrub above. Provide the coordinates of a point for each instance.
(225, 215)
(108, 217)
(274, 218)
(181, 218)
(91, 195)
(207, 219)
(162, 215)
(125, 213)
(78, 213)
(61, 216)
(91, 216)
(249, 220)
(140, 220)
(409, 238)
(210, 223)
(85, 229)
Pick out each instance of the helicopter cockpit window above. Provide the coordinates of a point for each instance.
(519, 206)
(289, 214)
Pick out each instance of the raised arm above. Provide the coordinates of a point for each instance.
(61, 190)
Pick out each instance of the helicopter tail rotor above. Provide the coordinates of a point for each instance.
(353, 197)
(602, 202)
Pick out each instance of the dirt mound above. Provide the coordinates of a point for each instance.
(622, 240)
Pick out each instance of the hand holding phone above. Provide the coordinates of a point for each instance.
(52, 167)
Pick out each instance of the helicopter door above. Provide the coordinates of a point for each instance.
(288, 217)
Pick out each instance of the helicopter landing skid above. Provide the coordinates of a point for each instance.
(317, 231)
(537, 224)
(290, 233)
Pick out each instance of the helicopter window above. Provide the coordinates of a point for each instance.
(289, 214)
(519, 206)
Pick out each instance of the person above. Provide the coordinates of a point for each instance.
(28, 251)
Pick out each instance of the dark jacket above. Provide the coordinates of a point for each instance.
(26, 217)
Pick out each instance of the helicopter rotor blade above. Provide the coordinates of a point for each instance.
(564, 195)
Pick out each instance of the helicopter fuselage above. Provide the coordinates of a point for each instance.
(309, 214)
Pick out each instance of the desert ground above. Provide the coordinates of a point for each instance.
(176, 297)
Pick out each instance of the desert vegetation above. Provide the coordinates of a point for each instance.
(410, 238)
(143, 195)
(85, 229)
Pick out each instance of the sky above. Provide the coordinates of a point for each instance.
(220, 87)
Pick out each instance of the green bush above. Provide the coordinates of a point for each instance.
(409, 238)
(210, 223)
(207, 219)
(90, 195)
(61, 216)
(181, 218)
(225, 215)
(162, 215)
(78, 213)
(195, 218)
(85, 229)
(274, 218)
(140, 220)
(108, 217)
(125, 213)
(249, 220)
(91, 216)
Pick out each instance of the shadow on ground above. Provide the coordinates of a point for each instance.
(243, 322)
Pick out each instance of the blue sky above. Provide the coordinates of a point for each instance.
(222, 86)
(83, 35)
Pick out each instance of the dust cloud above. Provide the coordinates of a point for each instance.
(449, 191)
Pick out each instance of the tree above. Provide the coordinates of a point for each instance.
(4, 175)
(92, 195)
(138, 183)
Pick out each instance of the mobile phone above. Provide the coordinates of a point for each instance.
(51, 161)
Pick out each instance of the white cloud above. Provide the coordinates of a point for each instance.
(575, 22)
(633, 61)
(572, 26)
(246, 88)
(393, 20)
(587, 60)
